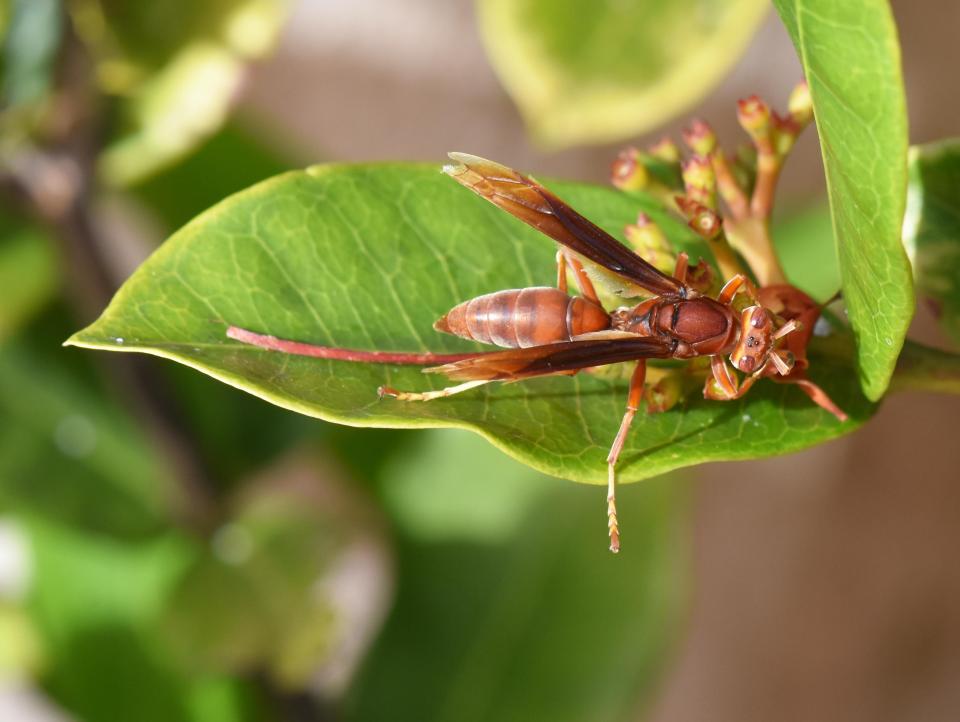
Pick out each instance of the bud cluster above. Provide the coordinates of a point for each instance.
(696, 186)
(744, 183)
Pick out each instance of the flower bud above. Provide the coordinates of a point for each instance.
(703, 220)
(800, 104)
(700, 180)
(649, 242)
(754, 117)
(628, 172)
(665, 393)
(700, 138)
(665, 150)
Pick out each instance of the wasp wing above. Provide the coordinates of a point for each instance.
(536, 206)
(554, 358)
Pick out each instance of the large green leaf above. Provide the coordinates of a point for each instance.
(851, 59)
(586, 71)
(368, 257)
(542, 625)
(931, 231)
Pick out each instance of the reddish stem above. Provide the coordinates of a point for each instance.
(729, 188)
(272, 343)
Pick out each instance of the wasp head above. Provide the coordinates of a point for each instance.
(756, 340)
(756, 345)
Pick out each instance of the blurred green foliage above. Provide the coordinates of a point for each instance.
(185, 631)
(175, 67)
(932, 228)
(591, 71)
(347, 573)
(31, 39)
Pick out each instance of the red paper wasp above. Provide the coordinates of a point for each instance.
(550, 332)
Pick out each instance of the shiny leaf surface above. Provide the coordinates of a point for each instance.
(368, 257)
(851, 59)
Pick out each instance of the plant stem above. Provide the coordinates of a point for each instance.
(768, 173)
(730, 265)
(730, 190)
(921, 368)
(751, 237)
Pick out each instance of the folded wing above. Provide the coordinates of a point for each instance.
(554, 358)
(538, 207)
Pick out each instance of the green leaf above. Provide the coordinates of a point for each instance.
(368, 257)
(545, 624)
(177, 65)
(583, 71)
(851, 58)
(931, 231)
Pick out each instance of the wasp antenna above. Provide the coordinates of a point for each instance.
(466, 158)
(789, 327)
(783, 360)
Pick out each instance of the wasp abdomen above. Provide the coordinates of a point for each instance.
(524, 317)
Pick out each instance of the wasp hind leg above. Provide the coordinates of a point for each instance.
(429, 395)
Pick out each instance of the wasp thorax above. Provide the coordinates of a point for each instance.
(756, 340)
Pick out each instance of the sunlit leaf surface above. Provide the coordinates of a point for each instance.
(851, 59)
(368, 257)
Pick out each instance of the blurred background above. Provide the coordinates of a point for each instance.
(172, 549)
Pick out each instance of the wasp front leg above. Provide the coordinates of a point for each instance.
(721, 385)
(736, 284)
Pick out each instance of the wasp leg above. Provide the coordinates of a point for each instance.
(680, 270)
(735, 284)
(584, 284)
(817, 395)
(633, 403)
(726, 388)
(429, 395)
